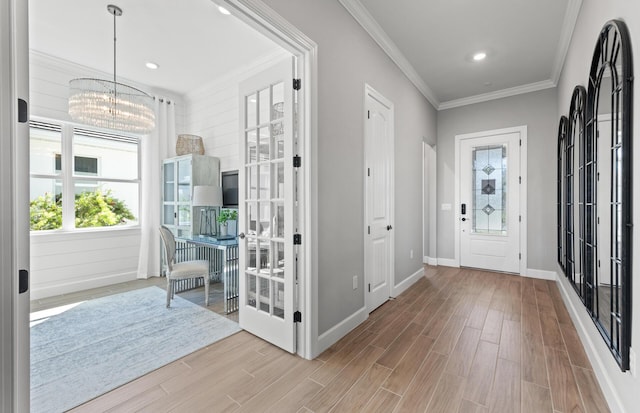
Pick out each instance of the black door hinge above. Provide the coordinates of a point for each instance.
(519, 255)
(297, 161)
(23, 281)
(369, 230)
(368, 171)
(520, 142)
(297, 317)
(519, 179)
(297, 84)
(368, 115)
(23, 111)
(369, 287)
(297, 239)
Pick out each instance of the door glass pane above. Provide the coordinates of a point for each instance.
(252, 146)
(278, 101)
(278, 220)
(252, 111)
(278, 259)
(253, 219)
(45, 151)
(278, 299)
(184, 215)
(45, 207)
(264, 257)
(265, 221)
(265, 105)
(264, 144)
(169, 217)
(279, 180)
(489, 192)
(252, 187)
(264, 294)
(251, 290)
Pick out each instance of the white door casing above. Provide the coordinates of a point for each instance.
(378, 172)
(14, 221)
(267, 209)
(490, 204)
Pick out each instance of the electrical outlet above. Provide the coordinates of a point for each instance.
(411, 254)
(355, 282)
(632, 363)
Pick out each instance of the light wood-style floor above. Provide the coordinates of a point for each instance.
(457, 341)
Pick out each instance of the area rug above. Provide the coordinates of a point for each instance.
(98, 345)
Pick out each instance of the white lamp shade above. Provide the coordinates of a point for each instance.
(207, 195)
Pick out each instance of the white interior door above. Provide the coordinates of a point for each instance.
(490, 202)
(266, 203)
(14, 207)
(379, 199)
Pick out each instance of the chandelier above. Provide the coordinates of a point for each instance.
(109, 104)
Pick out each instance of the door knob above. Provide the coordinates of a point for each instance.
(389, 227)
(464, 219)
(241, 235)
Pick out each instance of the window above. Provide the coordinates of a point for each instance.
(99, 188)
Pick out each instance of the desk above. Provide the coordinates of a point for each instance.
(223, 263)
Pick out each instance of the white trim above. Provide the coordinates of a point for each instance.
(586, 330)
(406, 283)
(429, 261)
(540, 274)
(370, 91)
(371, 26)
(335, 333)
(53, 288)
(568, 25)
(265, 20)
(522, 130)
(498, 94)
(448, 262)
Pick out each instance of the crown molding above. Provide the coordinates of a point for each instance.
(371, 26)
(568, 26)
(498, 94)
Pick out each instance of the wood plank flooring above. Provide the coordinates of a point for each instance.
(459, 340)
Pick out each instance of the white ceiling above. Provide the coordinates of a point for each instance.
(191, 40)
(433, 41)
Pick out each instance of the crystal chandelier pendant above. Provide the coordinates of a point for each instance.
(109, 104)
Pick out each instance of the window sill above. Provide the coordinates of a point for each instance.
(88, 232)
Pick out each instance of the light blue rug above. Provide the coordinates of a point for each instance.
(98, 345)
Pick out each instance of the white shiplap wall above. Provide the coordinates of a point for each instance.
(66, 262)
(213, 112)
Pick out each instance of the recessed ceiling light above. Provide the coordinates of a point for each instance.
(223, 11)
(151, 65)
(479, 56)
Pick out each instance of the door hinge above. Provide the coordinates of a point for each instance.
(297, 84)
(297, 239)
(519, 218)
(23, 111)
(23, 281)
(519, 179)
(368, 171)
(520, 142)
(519, 255)
(368, 115)
(297, 317)
(297, 161)
(369, 230)
(369, 287)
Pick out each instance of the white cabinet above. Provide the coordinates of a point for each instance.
(179, 176)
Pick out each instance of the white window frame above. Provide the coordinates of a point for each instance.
(69, 177)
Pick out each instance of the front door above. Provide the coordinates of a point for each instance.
(266, 204)
(378, 198)
(490, 202)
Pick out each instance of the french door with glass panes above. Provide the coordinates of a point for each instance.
(266, 204)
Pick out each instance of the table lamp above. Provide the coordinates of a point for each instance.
(207, 197)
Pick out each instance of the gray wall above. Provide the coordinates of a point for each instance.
(349, 58)
(538, 111)
(593, 15)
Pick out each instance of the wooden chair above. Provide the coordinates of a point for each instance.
(182, 270)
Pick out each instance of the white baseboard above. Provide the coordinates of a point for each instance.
(586, 330)
(448, 262)
(69, 286)
(540, 274)
(335, 333)
(405, 284)
(429, 260)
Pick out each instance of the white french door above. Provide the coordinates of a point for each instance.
(489, 209)
(14, 207)
(378, 199)
(267, 208)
